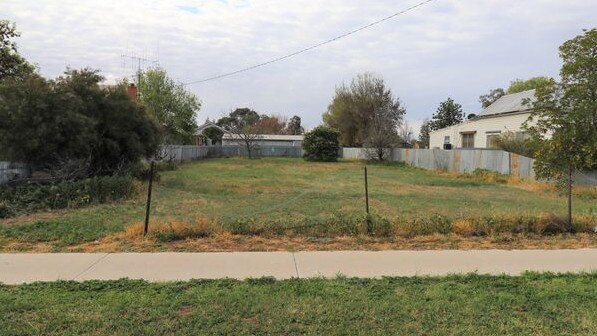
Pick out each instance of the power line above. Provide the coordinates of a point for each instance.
(313, 46)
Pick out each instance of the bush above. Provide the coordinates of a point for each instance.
(321, 144)
(32, 197)
(140, 169)
(46, 124)
(513, 143)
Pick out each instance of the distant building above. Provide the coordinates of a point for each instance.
(266, 140)
(201, 139)
(507, 114)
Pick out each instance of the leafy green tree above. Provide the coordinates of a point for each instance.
(321, 144)
(519, 85)
(448, 113)
(424, 133)
(563, 124)
(293, 127)
(173, 107)
(491, 97)
(355, 107)
(11, 63)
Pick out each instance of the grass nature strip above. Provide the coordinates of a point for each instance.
(531, 304)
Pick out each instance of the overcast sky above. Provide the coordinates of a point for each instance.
(447, 48)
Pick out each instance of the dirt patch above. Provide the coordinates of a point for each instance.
(133, 241)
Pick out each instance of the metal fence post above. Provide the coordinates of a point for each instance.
(369, 224)
(148, 207)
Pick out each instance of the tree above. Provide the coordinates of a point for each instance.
(72, 120)
(491, 97)
(241, 124)
(273, 124)
(11, 63)
(448, 113)
(519, 85)
(405, 133)
(293, 127)
(563, 124)
(321, 144)
(424, 133)
(173, 107)
(381, 138)
(40, 126)
(355, 107)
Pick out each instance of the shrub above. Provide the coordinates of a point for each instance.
(321, 144)
(511, 142)
(66, 194)
(550, 224)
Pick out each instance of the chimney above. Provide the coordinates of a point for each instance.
(132, 92)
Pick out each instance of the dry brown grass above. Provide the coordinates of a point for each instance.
(464, 228)
(530, 185)
(226, 242)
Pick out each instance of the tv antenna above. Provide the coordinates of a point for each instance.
(138, 60)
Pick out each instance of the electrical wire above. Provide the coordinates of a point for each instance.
(281, 58)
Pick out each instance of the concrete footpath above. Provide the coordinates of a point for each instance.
(25, 268)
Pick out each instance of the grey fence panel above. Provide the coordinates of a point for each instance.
(586, 178)
(526, 167)
(10, 171)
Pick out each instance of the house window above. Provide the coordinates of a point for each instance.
(491, 139)
(468, 140)
(447, 139)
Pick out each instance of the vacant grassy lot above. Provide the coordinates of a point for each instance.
(290, 197)
(534, 304)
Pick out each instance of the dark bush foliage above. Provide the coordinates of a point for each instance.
(32, 197)
(46, 124)
(321, 144)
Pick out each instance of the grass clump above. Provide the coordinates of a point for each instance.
(169, 231)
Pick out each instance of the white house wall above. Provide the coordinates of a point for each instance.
(483, 128)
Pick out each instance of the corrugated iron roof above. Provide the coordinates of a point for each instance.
(516, 102)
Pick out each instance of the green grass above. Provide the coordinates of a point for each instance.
(262, 194)
(533, 304)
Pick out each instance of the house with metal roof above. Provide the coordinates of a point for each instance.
(507, 114)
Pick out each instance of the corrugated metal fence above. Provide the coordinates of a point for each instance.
(188, 153)
(457, 160)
